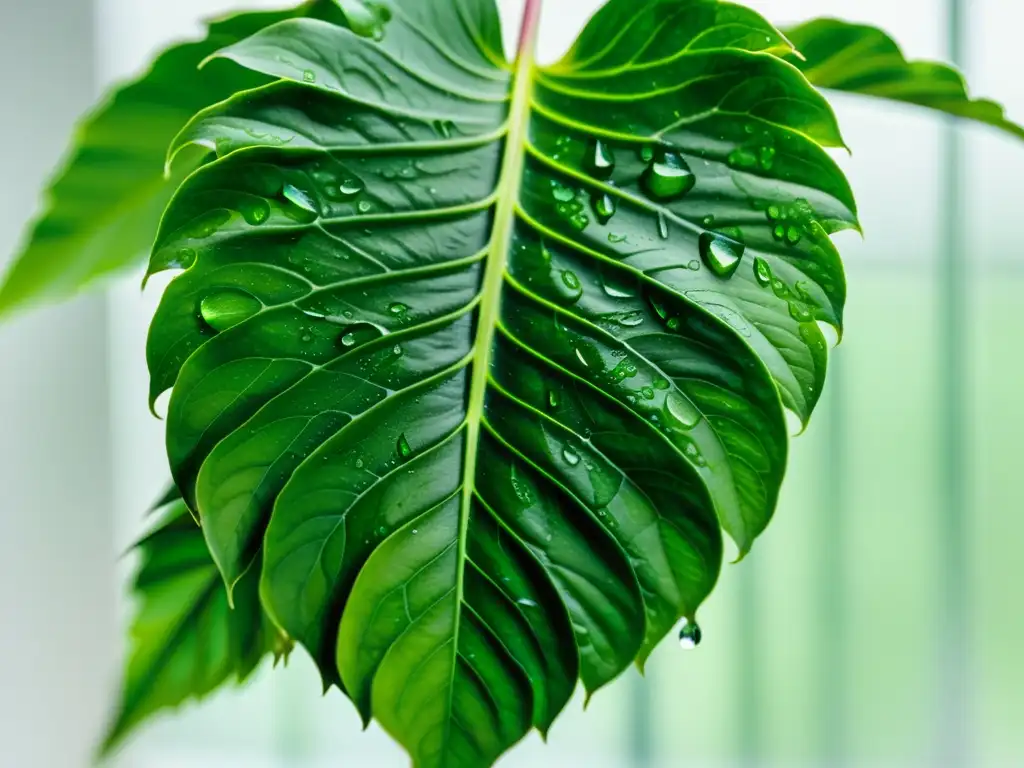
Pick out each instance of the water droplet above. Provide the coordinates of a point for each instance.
(227, 308)
(553, 399)
(562, 193)
(630, 319)
(444, 128)
(309, 76)
(800, 312)
(721, 253)
(359, 333)
(604, 207)
(255, 212)
(662, 225)
(579, 222)
(398, 308)
(350, 188)
(404, 450)
(708, 221)
(299, 198)
(689, 635)
(647, 153)
(397, 350)
(526, 602)
(615, 288)
(762, 272)
(766, 156)
(184, 258)
(668, 177)
(581, 358)
(365, 206)
(742, 158)
(615, 239)
(793, 235)
(779, 233)
(682, 410)
(600, 160)
(571, 457)
(773, 212)
(359, 463)
(368, 19)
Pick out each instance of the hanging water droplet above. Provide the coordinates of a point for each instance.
(308, 76)
(604, 207)
(227, 308)
(722, 254)
(682, 410)
(404, 450)
(571, 457)
(662, 225)
(689, 635)
(668, 177)
(762, 272)
(255, 212)
(600, 160)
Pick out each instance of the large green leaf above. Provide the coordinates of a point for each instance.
(103, 206)
(480, 359)
(186, 640)
(860, 59)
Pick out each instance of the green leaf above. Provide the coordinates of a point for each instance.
(481, 360)
(186, 640)
(856, 58)
(104, 204)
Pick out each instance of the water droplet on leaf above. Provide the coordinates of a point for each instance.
(682, 410)
(668, 177)
(600, 160)
(404, 450)
(571, 457)
(604, 207)
(227, 308)
(722, 254)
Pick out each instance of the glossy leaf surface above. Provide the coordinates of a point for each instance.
(856, 58)
(104, 205)
(480, 360)
(185, 639)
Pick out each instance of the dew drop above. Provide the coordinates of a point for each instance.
(630, 319)
(184, 258)
(562, 193)
(800, 312)
(227, 308)
(793, 235)
(365, 206)
(762, 272)
(689, 635)
(255, 212)
(662, 225)
(404, 450)
(350, 188)
(766, 157)
(398, 308)
(299, 198)
(682, 410)
(359, 333)
(722, 254)
(615, 288)
(553, 399)
(359, 463)
(742, 158)
(604, 207)
(647, 153)
(615, 239)
(526, 602)
(308, 76)
(600, 160)
(571, 457)
(668, 177)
